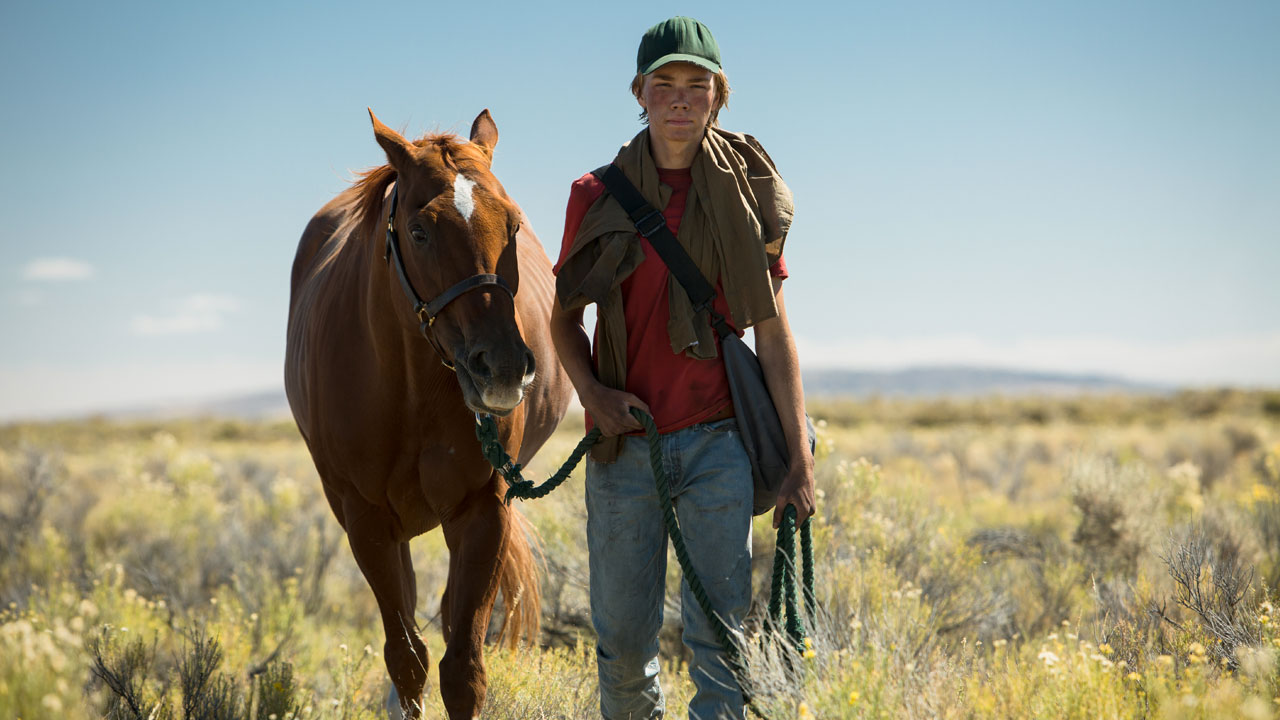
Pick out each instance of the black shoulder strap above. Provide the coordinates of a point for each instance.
(653, 226)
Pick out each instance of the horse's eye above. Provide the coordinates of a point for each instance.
(419, 235)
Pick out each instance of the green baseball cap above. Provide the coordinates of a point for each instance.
(680, 39)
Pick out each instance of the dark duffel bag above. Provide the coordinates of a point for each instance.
(758, 422)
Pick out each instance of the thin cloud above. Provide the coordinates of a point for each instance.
(57, 269)
(193, 314)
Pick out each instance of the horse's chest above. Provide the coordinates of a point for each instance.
(423, 480)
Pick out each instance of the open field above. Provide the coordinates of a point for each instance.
(1014, 558)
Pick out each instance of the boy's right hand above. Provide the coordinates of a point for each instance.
(611, 409)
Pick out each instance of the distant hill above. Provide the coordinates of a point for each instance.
(910, 382)
(960, 380)
(263, 405)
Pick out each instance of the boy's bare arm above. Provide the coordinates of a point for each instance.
(609, 408)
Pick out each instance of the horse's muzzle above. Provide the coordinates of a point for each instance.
(498, 383)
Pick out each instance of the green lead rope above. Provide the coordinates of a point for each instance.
(784, 577)
(517, 486)
(783, 588)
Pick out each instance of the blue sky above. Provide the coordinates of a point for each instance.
(1071, 185)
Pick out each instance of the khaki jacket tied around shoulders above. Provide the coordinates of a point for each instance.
(734, 225)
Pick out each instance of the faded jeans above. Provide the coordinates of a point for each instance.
(627, 543)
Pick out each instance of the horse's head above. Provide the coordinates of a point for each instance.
(455, 229)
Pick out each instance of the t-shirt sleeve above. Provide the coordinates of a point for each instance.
(779, 269)
(582, 194)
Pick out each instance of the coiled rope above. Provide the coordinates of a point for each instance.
(782, 592)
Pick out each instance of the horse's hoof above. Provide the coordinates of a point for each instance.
(394, 711)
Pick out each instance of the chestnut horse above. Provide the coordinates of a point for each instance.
(385, 385)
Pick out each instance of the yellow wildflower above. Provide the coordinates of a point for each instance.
(1262, 493)
(853, 697)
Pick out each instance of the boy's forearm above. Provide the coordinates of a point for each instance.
(573, 347)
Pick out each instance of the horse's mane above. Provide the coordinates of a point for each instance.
(369, 186)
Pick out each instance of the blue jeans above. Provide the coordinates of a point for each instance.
(627, 543)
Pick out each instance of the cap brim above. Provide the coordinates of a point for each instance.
(681, 57)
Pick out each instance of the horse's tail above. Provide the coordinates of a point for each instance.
(521, 596)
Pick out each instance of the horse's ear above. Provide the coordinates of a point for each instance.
(484, 132)
(399, 151)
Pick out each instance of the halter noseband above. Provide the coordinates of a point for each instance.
(427, 312)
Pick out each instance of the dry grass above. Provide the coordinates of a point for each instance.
(992, 557)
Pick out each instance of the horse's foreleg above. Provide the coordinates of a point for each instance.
(386, 565)
(477, 536)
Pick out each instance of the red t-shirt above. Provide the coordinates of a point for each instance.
(680, 390)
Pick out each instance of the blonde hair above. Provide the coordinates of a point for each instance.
(721, 99)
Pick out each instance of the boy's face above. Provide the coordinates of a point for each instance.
(678, 97)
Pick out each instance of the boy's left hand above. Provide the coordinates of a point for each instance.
(797, 489)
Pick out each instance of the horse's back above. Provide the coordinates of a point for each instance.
(316, 248)
(319, 229)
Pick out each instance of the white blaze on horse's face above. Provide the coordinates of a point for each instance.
(462, 199)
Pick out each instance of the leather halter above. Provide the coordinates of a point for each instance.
(427, 312)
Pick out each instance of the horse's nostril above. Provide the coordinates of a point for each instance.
(530, 365)
(478, 363)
